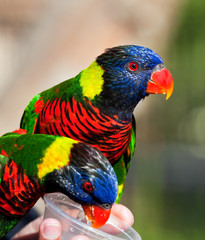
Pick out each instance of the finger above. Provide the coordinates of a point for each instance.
(50, 229)
(114, 225)
(123, 213)
(30, 231)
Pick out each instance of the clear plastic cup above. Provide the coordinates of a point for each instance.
(74, 223)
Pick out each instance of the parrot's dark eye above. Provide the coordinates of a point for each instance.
(106, 205)
(87, 186)
(132, 66)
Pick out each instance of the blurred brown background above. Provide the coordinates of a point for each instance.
(45, 42)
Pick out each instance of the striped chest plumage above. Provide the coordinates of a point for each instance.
(84, 122)
(18, 193)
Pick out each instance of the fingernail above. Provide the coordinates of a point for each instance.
(51, 231)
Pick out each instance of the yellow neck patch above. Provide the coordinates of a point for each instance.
(56, 156)
(91, 80)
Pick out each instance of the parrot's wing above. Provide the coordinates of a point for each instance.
(3, 161)
(31, 114)
(15, 182)
(122, 166)
(14, 185)
(6, 224)
(131, 148)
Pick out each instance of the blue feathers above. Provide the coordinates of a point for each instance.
(88, 179)
(102, 191)
(147, 57)
(124, 88)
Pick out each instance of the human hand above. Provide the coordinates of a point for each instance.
(50, 229)
(40, 229)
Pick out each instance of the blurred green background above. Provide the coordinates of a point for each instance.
(169, 172)
(44, 42)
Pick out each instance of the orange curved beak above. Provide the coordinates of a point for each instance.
(161, 82)
(96, 215)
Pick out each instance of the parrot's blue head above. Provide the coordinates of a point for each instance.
(88, 179)
(129, 75)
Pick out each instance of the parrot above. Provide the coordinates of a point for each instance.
(96, 106)
(34, 164)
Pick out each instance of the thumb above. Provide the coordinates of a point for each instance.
(50, 229)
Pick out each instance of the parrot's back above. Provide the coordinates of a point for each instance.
(19, 189)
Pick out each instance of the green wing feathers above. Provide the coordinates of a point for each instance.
(30, 115)
(122, 166)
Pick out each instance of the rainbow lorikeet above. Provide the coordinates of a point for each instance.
(96, 106)
(34, 164)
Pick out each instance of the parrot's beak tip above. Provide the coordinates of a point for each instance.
(170, 90)
(96, 215)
